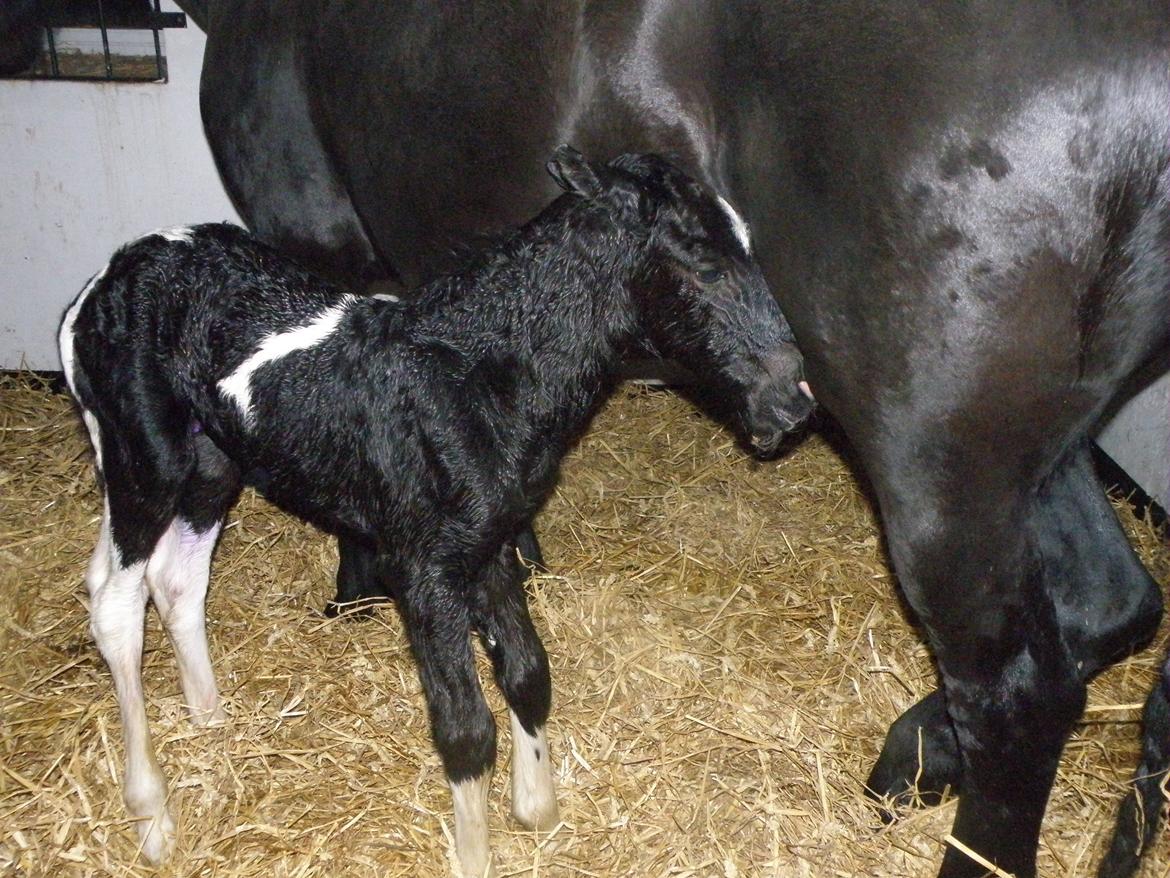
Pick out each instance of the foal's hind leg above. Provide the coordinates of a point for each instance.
(180, 567)
(143, 480)
(521, 667)
(117, 610)
(116, 581)
(177, 576)
(1106, 605)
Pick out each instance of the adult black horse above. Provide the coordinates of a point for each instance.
(963, 207)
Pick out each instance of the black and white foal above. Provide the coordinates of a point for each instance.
(430, 432)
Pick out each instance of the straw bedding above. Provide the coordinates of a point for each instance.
(727, 652)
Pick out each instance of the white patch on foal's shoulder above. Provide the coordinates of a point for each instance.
(738, 226)
(238, 385)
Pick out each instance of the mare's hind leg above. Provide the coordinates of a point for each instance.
(1140, 813)
(521, 668)
(1106, 605)
(179, 569)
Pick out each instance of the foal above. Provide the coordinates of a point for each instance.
(430, 432)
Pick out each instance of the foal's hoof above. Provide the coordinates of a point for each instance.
(156, 837)
(537, 816)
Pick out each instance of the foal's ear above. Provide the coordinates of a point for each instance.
(573, 173)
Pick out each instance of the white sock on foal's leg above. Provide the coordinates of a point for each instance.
(117, 613)
(177, 575)
(472, 847)
(534, 795)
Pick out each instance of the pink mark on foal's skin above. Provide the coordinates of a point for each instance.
(806, 390)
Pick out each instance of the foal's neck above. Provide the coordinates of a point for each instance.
(556, 294)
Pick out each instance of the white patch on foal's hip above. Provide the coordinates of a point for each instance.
(65, 336)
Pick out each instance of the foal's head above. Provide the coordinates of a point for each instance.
(701, 297)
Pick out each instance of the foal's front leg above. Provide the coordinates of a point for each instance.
(520, 662)
(462, 726)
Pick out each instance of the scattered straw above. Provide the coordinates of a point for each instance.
(727, 652)
(978, 858)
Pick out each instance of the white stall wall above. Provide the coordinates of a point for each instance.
(86, 167)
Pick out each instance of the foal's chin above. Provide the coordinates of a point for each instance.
(767, 434)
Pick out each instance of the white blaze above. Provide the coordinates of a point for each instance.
(737, 225)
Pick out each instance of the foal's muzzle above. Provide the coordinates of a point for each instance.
(779, 402)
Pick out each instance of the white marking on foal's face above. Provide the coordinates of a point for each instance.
(738, 226)
(386, 297)
(238, 385)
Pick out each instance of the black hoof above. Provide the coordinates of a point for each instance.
(919, 764)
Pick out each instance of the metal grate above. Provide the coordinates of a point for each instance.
(85, 39)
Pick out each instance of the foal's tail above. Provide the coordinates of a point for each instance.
(1138, 819)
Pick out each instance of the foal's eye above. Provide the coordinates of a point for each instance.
(710, 275)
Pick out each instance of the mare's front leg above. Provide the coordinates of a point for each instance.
(500, 612)
(1107, 605)
(438, 621)
(974, 569)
